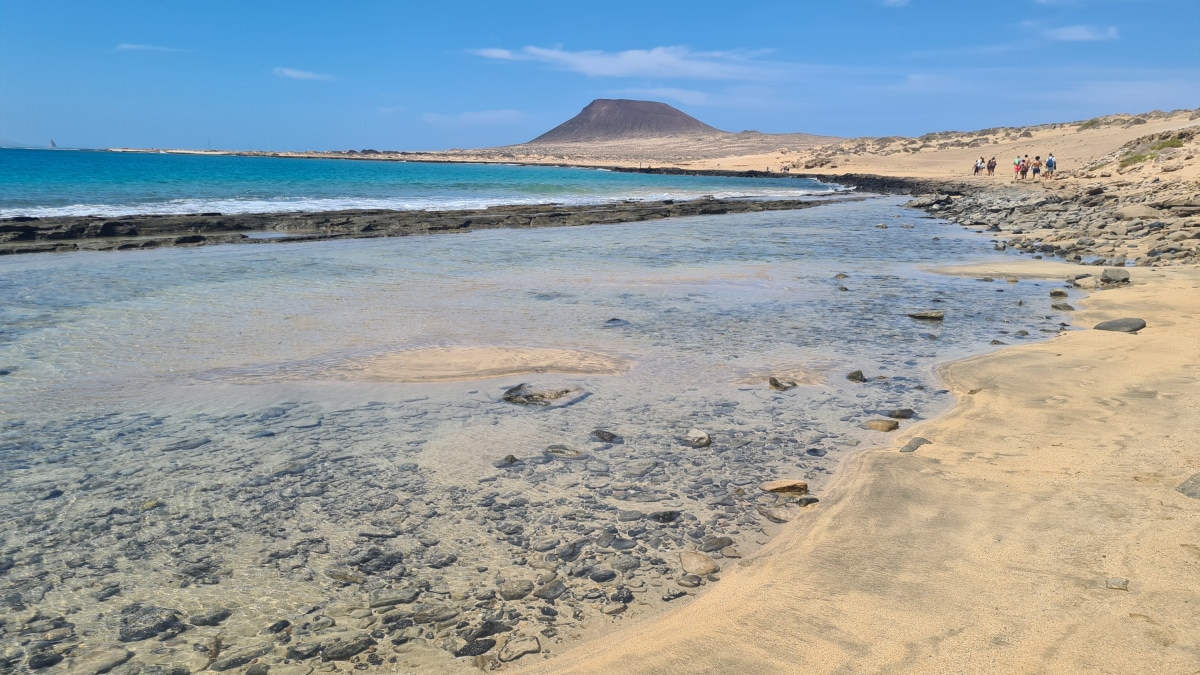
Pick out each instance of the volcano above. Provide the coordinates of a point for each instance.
(612, 119)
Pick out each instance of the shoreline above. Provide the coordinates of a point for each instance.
(1059, 545)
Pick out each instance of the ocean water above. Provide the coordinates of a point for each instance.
(196, 433)
(44, 183)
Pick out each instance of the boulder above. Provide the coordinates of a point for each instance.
(1129, 325)
(697, 563)
(1132, 211)
(698, 439)
(1114, 276)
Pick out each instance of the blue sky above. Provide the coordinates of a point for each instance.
(404, 75)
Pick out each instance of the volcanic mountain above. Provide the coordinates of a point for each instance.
(614, 119)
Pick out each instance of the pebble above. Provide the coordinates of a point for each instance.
(881, 425)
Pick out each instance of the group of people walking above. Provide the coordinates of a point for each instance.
(1021, 166)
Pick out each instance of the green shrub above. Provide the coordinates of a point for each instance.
(1130, 160)
(1169, 143)
(1090, 124)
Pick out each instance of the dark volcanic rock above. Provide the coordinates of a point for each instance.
(607, 119)
(240, 657)
(210, 618)
(140, 622)
(340, 650)
(1121, 325)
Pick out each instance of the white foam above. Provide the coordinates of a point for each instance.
(302, 204)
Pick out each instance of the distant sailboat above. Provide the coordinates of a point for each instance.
(52, 145)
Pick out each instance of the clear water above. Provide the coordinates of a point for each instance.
(170, 427)
(44, 183)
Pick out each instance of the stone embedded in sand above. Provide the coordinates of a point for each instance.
(525, 394)
(605, 436)
(386, 597)
(343, 649)
(613, 608)
(476, 648)
(698, 439)
(1133, 211)
(711, 544)
(1129, 325)
(515, 590)
(99, 660)
(559, 450)
(1117, 584)
(932, 315)
(779, 385)
(515, 648)
(140, 622)
(785, 486)
(697, 563)
(240, 657)
(777, 514)
(915, 443)
(1191, 486)
(881, 425)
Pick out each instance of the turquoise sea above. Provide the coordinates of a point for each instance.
(45, 183)
(222, 453)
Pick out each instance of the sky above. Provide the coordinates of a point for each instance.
(403, 75)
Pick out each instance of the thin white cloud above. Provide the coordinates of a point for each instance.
(483, 118)
(293, 74)
(1082, 33)
(129, 47)
(895, 3)
(665, 62)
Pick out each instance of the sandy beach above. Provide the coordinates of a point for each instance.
(1040, 530)
(1052, 522)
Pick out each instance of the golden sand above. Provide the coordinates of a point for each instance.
(1040, 531)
